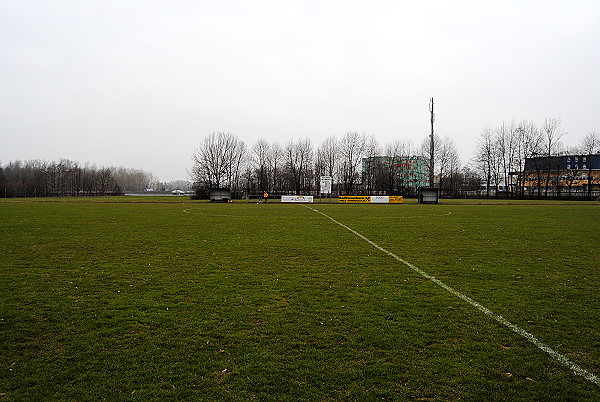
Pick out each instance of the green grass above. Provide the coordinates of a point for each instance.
(163, 298)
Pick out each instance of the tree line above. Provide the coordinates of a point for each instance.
(357, 162)
(501, 151)
(37, 178)
(352, 160)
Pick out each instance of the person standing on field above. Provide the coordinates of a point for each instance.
(265, 196)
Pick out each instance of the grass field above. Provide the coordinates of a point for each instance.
(153, 299)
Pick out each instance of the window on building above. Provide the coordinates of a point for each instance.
(568, 166)
(584, 167)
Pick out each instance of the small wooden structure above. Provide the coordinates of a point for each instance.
(429, 195)
(220, 195)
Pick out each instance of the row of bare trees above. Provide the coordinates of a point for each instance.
(356, 162)
(501, 152)
(223, 160)
(65, 177)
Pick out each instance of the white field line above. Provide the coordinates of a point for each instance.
(541, 345)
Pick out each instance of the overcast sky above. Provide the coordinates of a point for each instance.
(140, 83)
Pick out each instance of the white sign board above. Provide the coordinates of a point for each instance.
(326, 184)
(297, 198)
(380, 199)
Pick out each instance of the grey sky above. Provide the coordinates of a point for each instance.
(139, 83)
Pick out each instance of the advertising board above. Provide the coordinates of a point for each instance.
(354, 199)
(373, 199)
(297, 198)
(380, 199)
(326, 184)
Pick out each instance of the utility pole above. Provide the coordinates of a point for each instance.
(431, 146)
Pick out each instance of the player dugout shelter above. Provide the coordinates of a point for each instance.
(220, 195)
(428, 195)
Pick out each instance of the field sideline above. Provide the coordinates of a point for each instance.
(121, 299)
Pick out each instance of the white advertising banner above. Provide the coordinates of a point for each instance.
(380, 199)
(297, 198)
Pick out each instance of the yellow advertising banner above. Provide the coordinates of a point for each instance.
(373, 199)
(354, 199)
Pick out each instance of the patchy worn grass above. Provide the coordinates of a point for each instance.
(187, 300)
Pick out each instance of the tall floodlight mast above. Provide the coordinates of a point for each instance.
(431, 146)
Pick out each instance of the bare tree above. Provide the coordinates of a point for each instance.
(447, 157)
(486, 157)
(299, 159)
(590, 144)
(327, 157)
(260, 161)
(238, 155)
(370, 163)
(529, 141)
(275, 166)
(105, 178)
(448, 162)
(507, 138)
(552, 132)
(218, 161)
(470, 180)
(129, 179)
(352, 147)
(391, 167)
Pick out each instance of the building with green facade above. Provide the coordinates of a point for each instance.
(397, 175)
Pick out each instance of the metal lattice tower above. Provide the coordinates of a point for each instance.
(431, 147)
